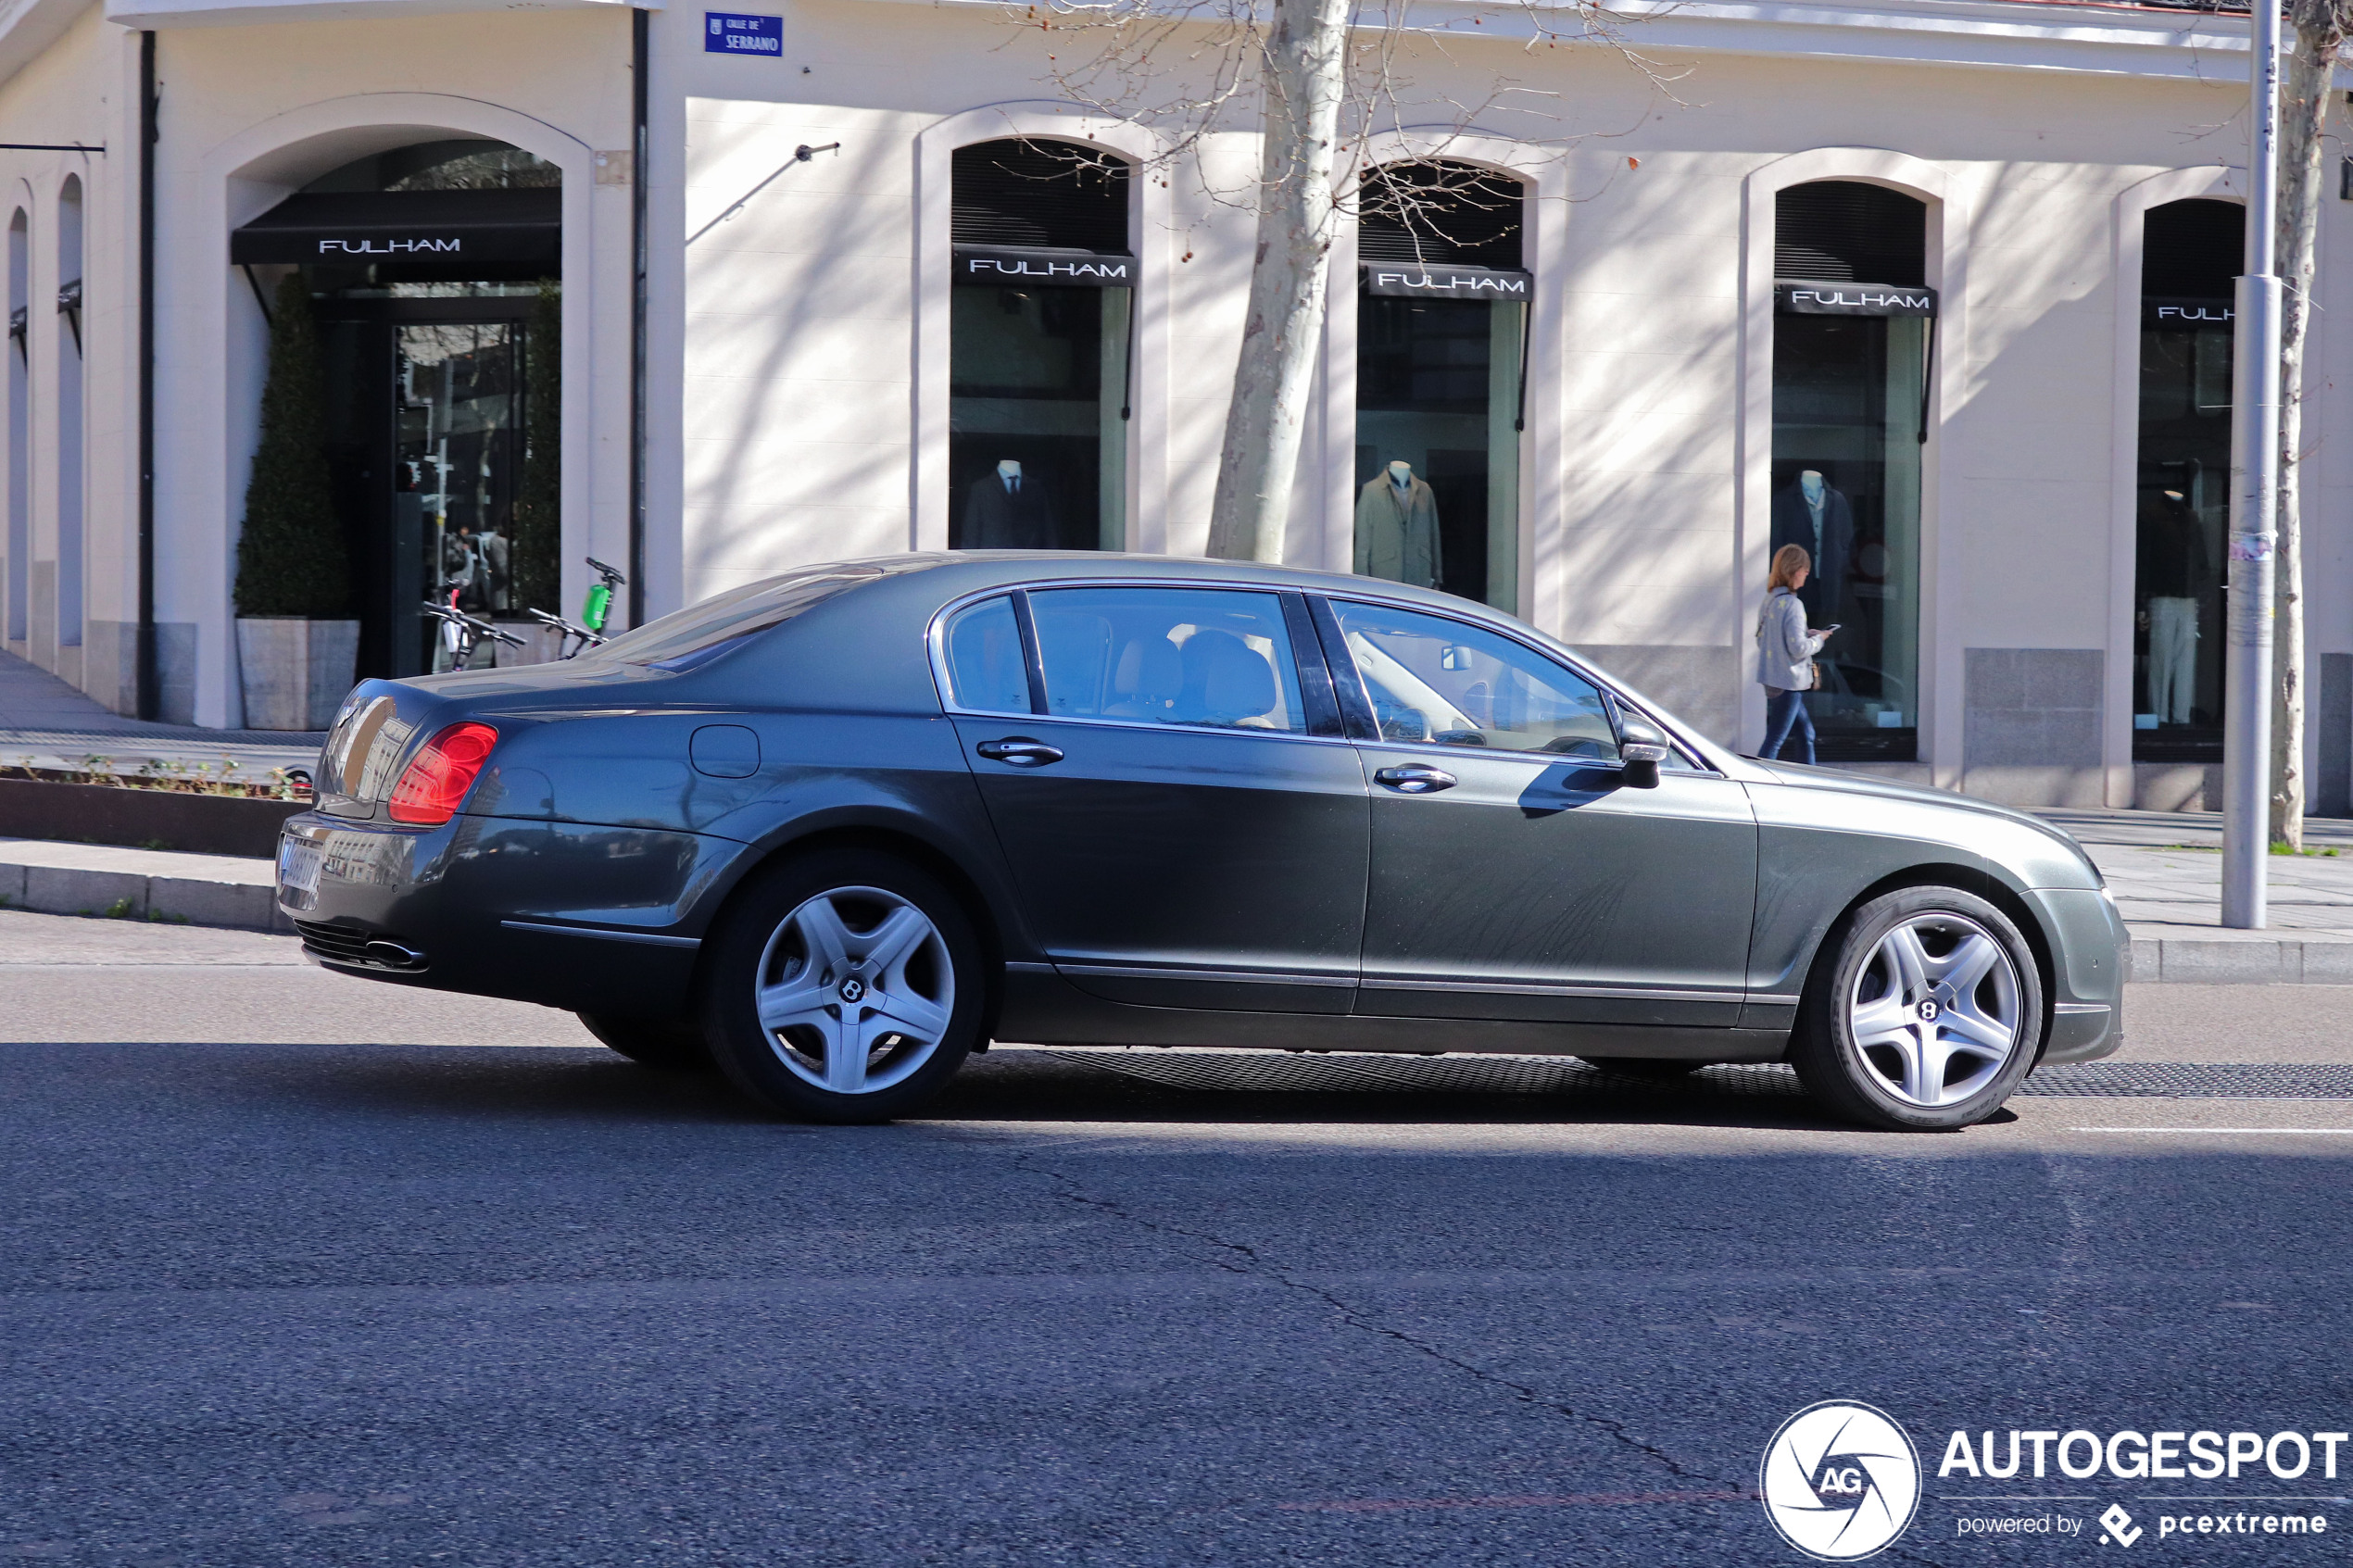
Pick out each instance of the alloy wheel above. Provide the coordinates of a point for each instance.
(855, 990)
(1935, 1012)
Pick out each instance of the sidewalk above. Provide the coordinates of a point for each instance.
(150, 885)
(2165, 869)
(46, 724)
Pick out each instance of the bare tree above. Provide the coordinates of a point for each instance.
(2320, 28)
(1323, 78)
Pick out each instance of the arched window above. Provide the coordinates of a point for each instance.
(19, 427)
(71, 351)
(1040, 343)
(1441, 340)
(1852, 339)
(2191, 254)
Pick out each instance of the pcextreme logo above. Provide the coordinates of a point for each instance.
(1840, 1480)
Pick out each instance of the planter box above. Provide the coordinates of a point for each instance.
(295, 672)
(198, 824)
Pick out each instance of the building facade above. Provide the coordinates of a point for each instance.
(1937, 288)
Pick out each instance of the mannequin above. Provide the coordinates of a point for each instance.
(1397, 528)
(2173, 577)
(1811, 514)
(1008, 510)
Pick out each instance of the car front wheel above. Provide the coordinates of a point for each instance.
(1923, 1016)
(846, 986)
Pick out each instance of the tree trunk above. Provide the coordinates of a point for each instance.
(2304, 107)
(1303, 79)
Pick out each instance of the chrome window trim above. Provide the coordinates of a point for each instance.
(936, 646)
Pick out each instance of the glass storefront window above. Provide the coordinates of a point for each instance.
(458, 455)
(1438, 389)
(1442, 336)
(1040, 382)
(1039, 319)
(1846, 485)
(2182, 497)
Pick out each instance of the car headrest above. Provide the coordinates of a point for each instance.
(1149, 670)
(1224, 680)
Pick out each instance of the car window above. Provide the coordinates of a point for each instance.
(1209, 657)
(700, 632)
(985, 668)
(1451, 684)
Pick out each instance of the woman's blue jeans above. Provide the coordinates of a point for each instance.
(1785, 711)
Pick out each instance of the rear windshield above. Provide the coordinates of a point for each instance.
(703, 632)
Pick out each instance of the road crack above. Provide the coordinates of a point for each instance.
(1240, 1258)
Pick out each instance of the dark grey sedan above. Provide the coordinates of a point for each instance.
(834, 831)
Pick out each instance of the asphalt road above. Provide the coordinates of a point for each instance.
(302, 1270)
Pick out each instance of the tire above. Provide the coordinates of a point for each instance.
(846, 986)
(1661, 1069)
(1924, 1010)
(666, 1045)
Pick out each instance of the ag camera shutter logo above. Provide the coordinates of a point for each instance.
(1841, 1481)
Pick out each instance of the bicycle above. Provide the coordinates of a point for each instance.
(575, 638)
(462, 634)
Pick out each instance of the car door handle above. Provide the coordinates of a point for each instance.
(1415, 778)
(1019, 751)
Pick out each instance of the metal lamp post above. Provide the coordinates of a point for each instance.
(2255, 457)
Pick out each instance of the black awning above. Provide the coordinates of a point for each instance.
(1793, 296)
(1413, 281)
(449, 226)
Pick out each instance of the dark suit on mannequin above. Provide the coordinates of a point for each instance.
(1008, 515)
(1794, 524)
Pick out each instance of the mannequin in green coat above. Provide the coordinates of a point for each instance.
(1397, 528)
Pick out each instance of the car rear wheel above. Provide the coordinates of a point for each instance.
(844, 986)
(1923, 1014)
(666, 1045)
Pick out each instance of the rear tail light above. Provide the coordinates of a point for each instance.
(432, 785)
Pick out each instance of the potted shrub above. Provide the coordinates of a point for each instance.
(297, 644)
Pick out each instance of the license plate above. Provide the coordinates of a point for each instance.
(299, 861)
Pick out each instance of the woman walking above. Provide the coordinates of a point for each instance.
(1785, 650)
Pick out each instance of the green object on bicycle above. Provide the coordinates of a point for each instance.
(592, 614)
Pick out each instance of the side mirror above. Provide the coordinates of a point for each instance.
(1642, 748)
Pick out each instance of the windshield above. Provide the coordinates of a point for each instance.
(703, 632)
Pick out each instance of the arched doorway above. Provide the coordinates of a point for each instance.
(435, 271)
(1441, 345)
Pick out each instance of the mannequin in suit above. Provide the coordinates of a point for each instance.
(1008, 510)
(1812, 515)
(1397, 528)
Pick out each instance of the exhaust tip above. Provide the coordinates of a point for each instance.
(395, 955)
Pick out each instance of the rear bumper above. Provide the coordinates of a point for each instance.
(571, 916)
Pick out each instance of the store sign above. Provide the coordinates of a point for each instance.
(733, 32)
(1410, 280)
(1080, 268)
(1852, 299)
(450, 245)
(2184, 314)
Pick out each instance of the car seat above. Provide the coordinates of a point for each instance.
(1225, 681)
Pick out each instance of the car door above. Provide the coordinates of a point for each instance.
(1187, 824)
(1515, 873)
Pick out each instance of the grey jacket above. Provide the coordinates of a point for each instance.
(1785, 649)
(1397, 535)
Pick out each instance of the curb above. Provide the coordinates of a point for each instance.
(2280, 961)
(180, 900)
